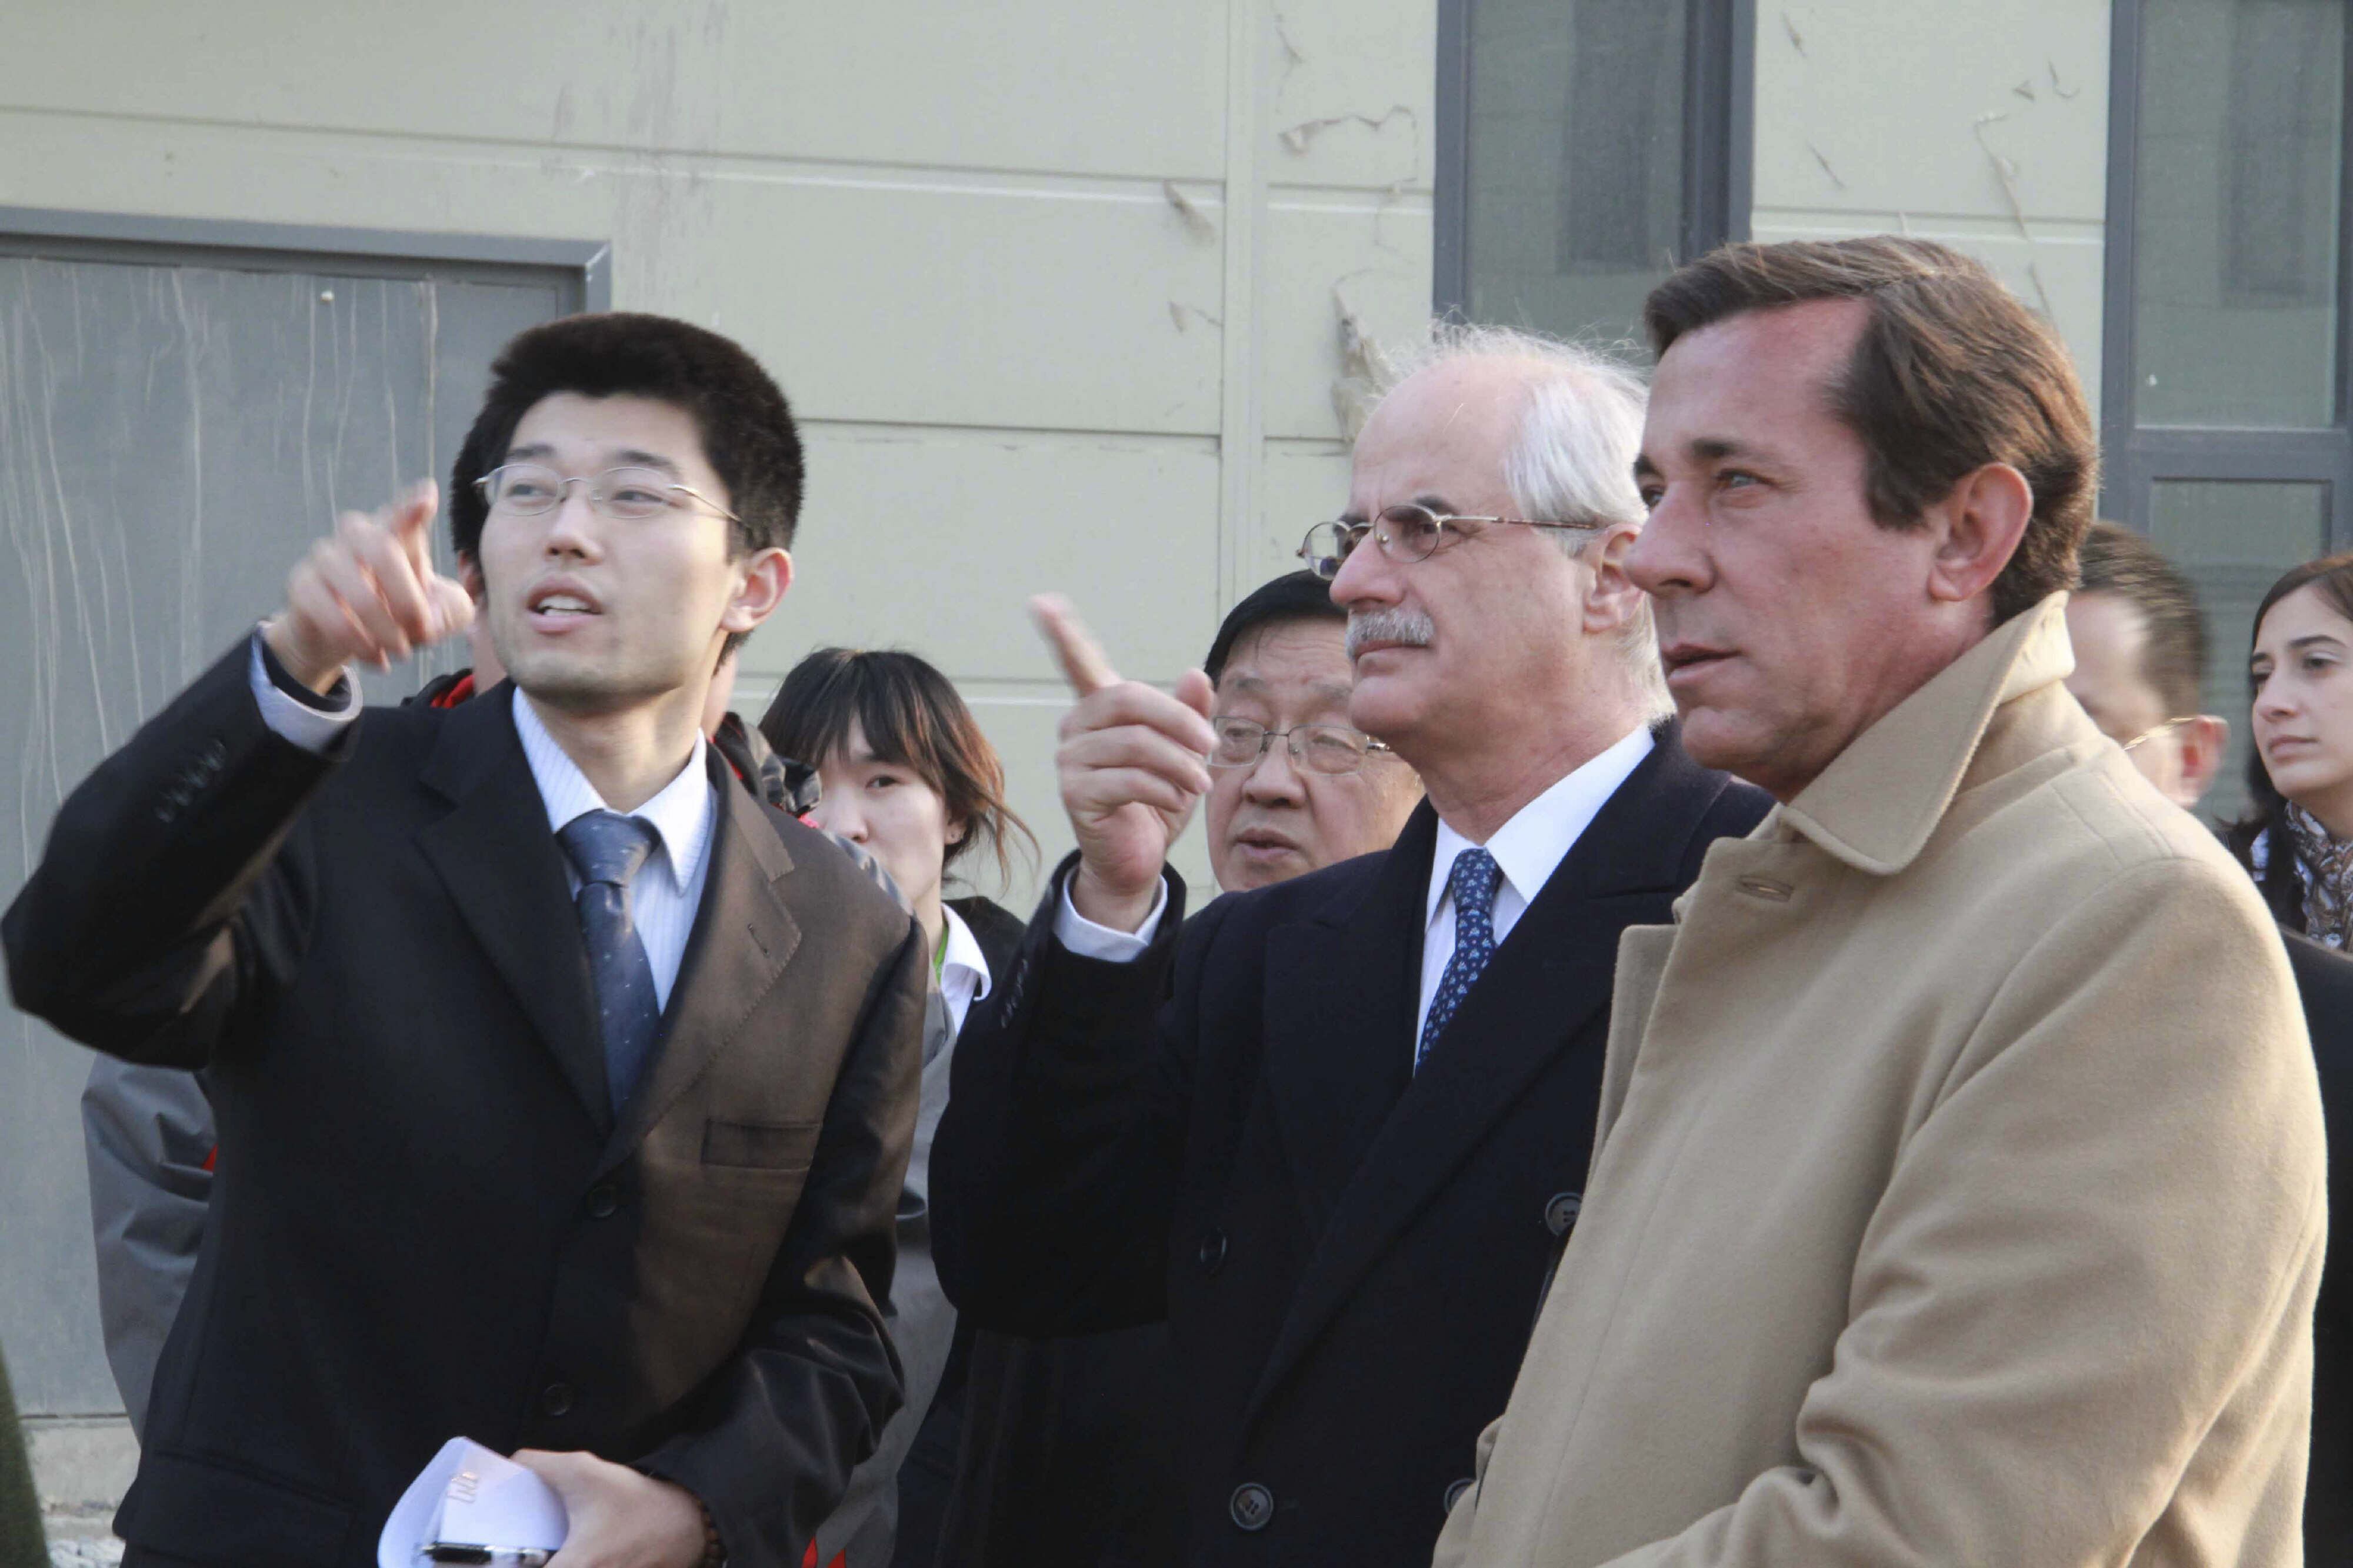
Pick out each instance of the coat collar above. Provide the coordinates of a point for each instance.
(1877, 804)
(498, 859)
(495, 855)
(744, 937)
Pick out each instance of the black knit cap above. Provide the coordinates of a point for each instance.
(1294, 596)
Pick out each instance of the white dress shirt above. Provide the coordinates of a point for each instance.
(1528, 849)
(963, 971)
(667, 890)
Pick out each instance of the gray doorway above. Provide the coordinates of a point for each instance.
(183, 408)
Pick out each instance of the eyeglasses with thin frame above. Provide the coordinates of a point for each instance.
(1330, 748)
(623, 494)
(1406, 533)
(2154, 731)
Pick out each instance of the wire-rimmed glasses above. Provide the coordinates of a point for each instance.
(2154, 731)
(623, 494)
(1405, 532)
(1330, 748)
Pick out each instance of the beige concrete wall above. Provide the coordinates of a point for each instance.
(1061, 292)
(1982, 124)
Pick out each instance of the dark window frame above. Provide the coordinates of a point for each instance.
(584, 266)
(1719, 157)
(2138, 458)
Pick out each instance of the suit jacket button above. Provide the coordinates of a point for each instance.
(1454, 1492)
(1253, 1507)
(602, 1201)
(1560, 1212)
(1212, 1256)
(556, 1399)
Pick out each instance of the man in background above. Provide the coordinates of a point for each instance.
(1070, 1450)
(2140, 650)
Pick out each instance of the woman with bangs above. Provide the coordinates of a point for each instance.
(906, 773)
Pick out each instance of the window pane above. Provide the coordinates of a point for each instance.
(2234, 540)
(1575, 127)
(2241, 129)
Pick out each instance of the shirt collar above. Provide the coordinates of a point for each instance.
(964, 955)
(1530, 846)
(1877, 803)
(679, 813)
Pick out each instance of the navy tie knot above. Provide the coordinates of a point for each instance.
(1472, 884)
(605, 847)
(1476, 878)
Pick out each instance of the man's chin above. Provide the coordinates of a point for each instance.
(1715, 738)
(1241, 870)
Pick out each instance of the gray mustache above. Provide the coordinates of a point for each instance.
(1410, 628)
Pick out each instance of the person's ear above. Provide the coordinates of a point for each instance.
(764, 576)
(1611, 599)
(2204, 741)
(1979, 524)
(469, 576)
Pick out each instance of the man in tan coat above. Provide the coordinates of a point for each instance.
(1957, 1197)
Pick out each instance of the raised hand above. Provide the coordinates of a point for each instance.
(1132, 764)
(369, 593)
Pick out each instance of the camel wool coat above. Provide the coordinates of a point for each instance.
(1958, 1194)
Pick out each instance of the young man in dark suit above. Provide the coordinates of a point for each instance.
(564, 1089)
(1335, 1130)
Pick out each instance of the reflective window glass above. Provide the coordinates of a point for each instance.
(2242, 119)
(1577, 124)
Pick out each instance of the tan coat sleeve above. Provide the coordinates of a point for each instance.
(2085, 1298)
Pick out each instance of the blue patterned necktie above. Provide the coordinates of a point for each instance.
(1472, 884)
(607, 849)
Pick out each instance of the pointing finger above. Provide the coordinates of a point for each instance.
(411, 523)
(1085, 664)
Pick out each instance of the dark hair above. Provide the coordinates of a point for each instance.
(911, 716)
(2117, 560)
(745, 424)
(1950, 373)
(2282, 889)
(1294, 596)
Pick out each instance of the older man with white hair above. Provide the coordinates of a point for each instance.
(1335, 1130)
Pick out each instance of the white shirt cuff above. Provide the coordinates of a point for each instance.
(1088, 939)
(312, 729)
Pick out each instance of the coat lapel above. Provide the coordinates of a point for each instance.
(494, 853)
(1545, 984)
(1340, 989)
(742, 939)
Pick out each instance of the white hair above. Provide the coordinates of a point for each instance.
(1572, 458)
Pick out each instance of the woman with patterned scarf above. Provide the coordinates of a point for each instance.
(2298, 836)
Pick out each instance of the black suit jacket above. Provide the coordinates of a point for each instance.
(1228, 1133)
(2324, 978)
(425, 1222)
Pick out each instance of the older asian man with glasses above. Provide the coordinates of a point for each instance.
(1335, 1130)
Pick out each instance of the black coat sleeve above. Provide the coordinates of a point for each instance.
(776, 1432)
(1055, 1169)
(174, 893)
